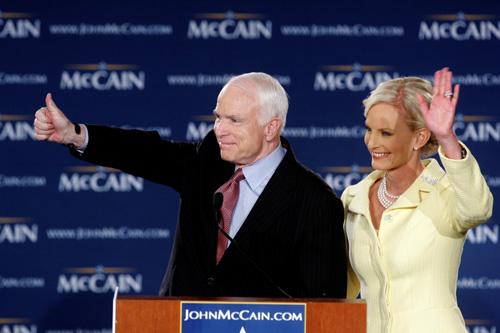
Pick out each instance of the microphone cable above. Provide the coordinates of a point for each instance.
(217, 203)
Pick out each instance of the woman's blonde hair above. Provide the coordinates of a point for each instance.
(401, 93)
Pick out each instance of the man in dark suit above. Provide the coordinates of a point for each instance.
(286, 234)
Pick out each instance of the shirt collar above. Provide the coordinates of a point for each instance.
(264, 168)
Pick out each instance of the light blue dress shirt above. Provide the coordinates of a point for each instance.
(257, 175)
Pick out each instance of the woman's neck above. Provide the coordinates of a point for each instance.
(400, 179)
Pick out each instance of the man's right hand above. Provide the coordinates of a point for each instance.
(52, 125)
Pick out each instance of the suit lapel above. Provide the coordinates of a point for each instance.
(214, 172)
(422, 186)
(272, 203)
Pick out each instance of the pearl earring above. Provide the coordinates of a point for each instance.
(415, 148)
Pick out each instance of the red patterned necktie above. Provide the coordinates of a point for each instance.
(230, 191)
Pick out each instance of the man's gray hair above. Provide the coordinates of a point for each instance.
(271, 96)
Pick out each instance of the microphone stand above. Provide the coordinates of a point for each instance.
(218, 199)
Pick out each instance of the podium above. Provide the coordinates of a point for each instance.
(171, 314)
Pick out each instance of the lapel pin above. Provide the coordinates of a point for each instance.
(429, 179)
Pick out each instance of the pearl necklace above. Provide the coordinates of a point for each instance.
(383, 194)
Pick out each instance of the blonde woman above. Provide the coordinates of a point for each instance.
(406, 223)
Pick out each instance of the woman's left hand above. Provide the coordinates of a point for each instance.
(440, 115)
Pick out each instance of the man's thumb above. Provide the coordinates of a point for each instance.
(51, 106)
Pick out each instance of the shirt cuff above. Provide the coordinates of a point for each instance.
(82, 148)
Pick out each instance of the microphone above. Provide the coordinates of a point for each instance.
(217, 203)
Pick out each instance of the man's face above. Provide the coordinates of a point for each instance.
(239, 134)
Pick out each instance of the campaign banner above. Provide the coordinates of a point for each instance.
(71, 232)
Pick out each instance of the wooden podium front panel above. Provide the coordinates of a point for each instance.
(162, 314)
(147, 314)
(346, 316)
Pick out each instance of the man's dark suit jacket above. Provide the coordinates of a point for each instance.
(294, 232)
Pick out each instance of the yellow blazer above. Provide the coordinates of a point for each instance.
(408, 271)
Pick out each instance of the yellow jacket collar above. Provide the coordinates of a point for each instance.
(412, 197)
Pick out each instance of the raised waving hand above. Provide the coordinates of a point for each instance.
(440, 115)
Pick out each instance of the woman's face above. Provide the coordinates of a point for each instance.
(388, 137)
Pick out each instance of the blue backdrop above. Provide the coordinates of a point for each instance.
(71, 232)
